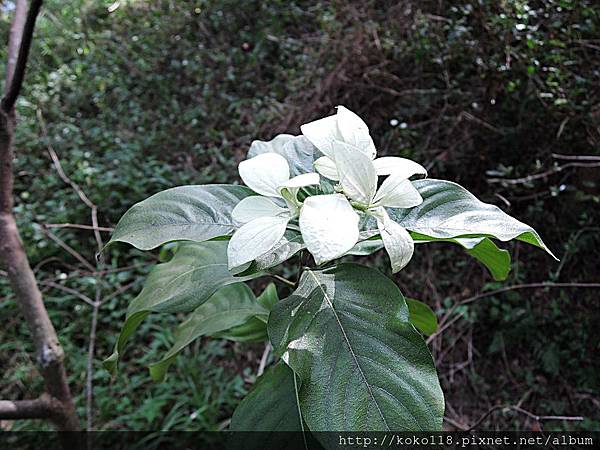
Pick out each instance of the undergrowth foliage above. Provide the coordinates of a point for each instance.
(160, 94)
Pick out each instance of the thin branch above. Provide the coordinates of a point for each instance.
(545, 174)
(488, 413)
(88, 273)
(89, 385)
(576, 157)
(263, 360)
(70, 250)
(99, 265)
(69, 290)
(43, 407)
(472, 118)
(455, 424)
(540, 418)
(63, 176)
(520, 410)
(16, 79)
(119, 291)
(444, 326)
(283, 280)
(78, 227)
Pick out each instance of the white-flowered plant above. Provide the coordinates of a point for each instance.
(329, 223)
(348, 347)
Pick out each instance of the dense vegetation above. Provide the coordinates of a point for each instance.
(156, 94)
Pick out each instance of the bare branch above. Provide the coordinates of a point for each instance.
(455, 424)
(43, 407)
(282, 279)
(89, 383)
(63, 176)
(16, 33)
(78, 227)
(520, 410)
(70, 250)
(99, 244)
(263, 359)
(68, 290)
(576, 157)
(544, 174)
(540, 418)
(16, 77)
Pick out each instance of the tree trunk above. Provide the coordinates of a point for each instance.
(58, 404)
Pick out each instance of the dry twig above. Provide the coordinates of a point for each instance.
(518, 409)
(96, 303)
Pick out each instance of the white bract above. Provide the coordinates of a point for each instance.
(264, 220)
(329, 223)
(350, 159)
(348, 128)
(329, 226)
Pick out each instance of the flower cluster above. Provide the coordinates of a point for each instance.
(329, 223)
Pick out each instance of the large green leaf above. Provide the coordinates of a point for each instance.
(268, 411)
(297, 150)
(255, 328)
(184, 283)
(346, 332)
(271, 405)
(252, 330)
(449, 210)
(228, 307)
(195, 213)
(422, 316)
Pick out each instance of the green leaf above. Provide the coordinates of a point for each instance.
(195, 213)
(495, 259)
(230, 306)
(449, 210)
(270, 410)
(194, 274)
(271, 405)
(297, 150)
(269, 297)
(346, 332)
(184, 283)
(422, 316)
(255, 328)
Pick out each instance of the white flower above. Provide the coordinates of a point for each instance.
(329, 224)
(350, 159)
(345, 126)
(348, 128)
(264, 220)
